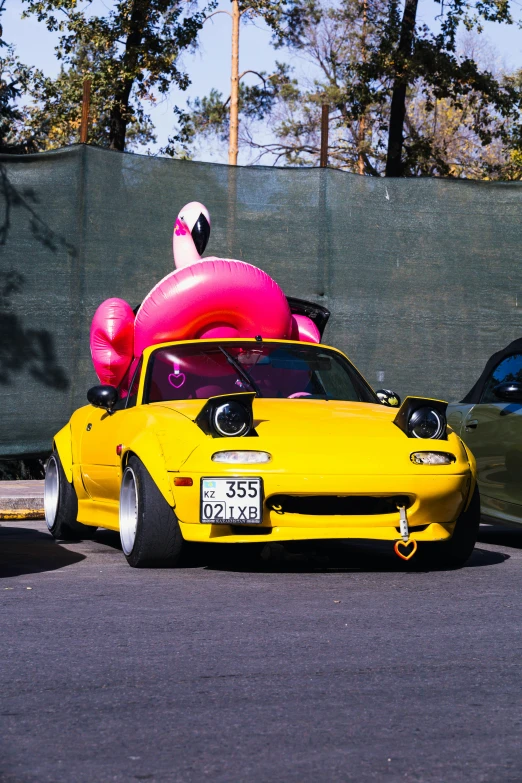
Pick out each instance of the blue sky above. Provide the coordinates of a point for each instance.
(210, 65)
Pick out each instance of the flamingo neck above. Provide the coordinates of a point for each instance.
(185, 252)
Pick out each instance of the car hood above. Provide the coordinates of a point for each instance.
(320, 436)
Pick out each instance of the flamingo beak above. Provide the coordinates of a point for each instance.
(201, 233)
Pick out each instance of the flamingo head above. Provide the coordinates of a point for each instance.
(195, 219)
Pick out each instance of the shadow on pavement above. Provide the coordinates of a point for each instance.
(26, 551)
(107, 538)
(501, 536)
(314, 556)
(484, 557)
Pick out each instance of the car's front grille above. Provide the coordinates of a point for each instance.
(337, 505)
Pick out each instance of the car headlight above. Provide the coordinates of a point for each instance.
(242, 457)
(228, 416)
(425, 423)
(231, 419)
(432, 458)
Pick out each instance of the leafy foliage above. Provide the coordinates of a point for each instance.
(400, 61)
(56, 111)
(15, 80)
(461, 114)
(131, 54)
(209, 116)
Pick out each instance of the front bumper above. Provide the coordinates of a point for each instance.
(435, 503)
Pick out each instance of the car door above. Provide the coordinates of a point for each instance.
(493, 431)
(104, 431)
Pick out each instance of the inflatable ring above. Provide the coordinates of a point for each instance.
(201, 301)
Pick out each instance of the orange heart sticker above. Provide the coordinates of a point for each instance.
(405, 544)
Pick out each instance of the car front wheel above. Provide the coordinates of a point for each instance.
(455, 552)
(149, 529)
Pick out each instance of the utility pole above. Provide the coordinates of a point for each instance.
(235, 78)
(362, 121)
(234, 87)
(84, 128)
(325, 113)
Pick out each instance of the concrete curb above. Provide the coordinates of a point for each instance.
(21, 500)
(22, 513)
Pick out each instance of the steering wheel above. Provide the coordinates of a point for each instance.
(298, 394)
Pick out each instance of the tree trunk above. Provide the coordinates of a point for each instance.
(398, 103)
(234, 87)
(119, 116)
(118, 121)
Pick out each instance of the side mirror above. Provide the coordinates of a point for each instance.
(388, 397)
(103, 397)
(509, 392)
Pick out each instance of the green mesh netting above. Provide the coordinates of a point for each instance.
(422, 276)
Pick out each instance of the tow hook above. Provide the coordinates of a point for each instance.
(405, 542)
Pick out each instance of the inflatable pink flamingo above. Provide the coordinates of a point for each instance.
(202, 298)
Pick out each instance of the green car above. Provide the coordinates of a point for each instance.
(489, 421)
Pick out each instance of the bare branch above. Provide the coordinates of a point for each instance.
(214, 13)
(256, 73)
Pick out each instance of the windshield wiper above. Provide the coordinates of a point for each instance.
(242, 372)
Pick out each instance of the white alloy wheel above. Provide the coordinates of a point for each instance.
(128, 510)
(51, 491)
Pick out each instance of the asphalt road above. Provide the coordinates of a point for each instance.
(302, 669)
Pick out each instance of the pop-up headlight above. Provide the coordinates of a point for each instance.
(419, 417)
(231, 419)
(228, 416)
(426, 422)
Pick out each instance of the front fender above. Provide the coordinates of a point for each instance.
(63, 445)
(147, 447)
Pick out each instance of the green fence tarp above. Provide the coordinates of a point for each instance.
(423, 276)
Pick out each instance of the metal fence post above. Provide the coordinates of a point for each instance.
(84, 129)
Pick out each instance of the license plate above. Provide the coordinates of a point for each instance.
(232, 501)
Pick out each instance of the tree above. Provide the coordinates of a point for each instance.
(56, 109)
(15, 80)
(461, 114)
(213, 115)
(134, 50)
(336, 39)
(210, 116)
(333, 38)
(440, 136)
(408, 55)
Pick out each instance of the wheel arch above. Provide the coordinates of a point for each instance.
(62, 443)
(148, 449)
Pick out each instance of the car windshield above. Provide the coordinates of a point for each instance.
(203, 370)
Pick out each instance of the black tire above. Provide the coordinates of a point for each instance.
(457, 551)
(157, 542)
(61, 511)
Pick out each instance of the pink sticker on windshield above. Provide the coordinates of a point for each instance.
(177, 378)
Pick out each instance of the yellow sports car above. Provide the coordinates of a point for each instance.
(252, 440)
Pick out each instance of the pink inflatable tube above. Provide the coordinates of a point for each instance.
(304, 329)
(201, 300)
(112, 340)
